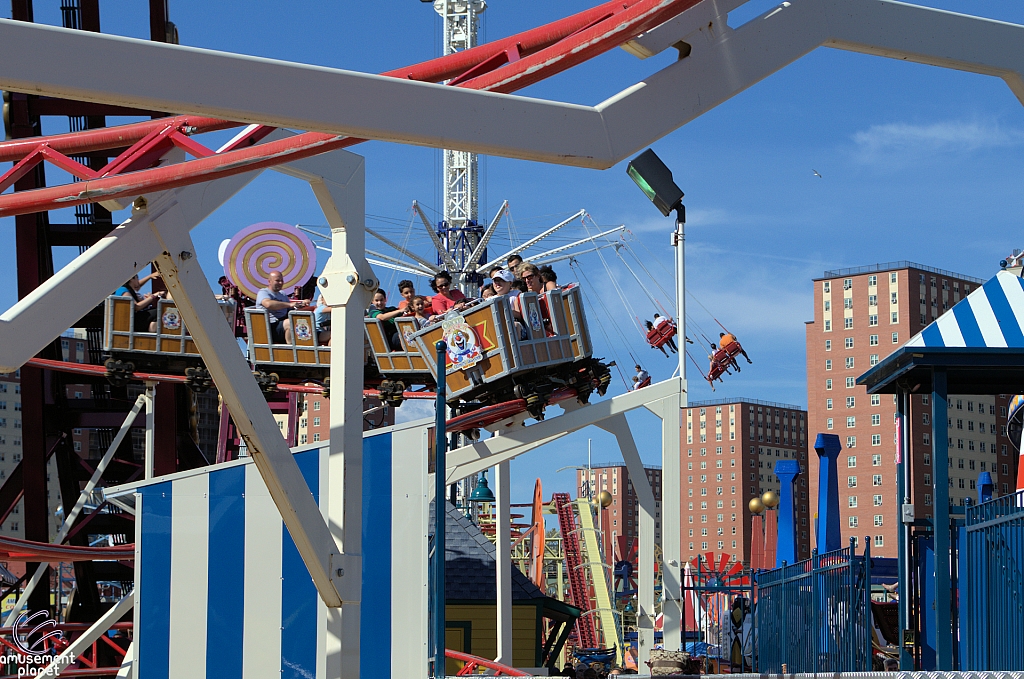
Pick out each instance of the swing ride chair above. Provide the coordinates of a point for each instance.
(488, 362)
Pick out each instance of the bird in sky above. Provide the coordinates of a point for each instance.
(816, 174)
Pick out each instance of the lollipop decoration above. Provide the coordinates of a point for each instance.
(257, 250)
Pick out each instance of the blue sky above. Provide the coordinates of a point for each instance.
(917, 163)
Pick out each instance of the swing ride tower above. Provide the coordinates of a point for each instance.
(459, 232)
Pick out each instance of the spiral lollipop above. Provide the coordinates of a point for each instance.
(257, 250)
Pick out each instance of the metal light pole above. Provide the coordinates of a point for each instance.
(440, 465)
(679, 242)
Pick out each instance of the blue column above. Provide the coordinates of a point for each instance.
(828, 537)
(903, 530)
(985, 487)
(940, 462)
(787, 471)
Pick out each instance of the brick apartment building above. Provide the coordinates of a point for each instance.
(860, 316)
(622, 517)
(729, 449)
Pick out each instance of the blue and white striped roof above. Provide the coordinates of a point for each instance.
(991, 316)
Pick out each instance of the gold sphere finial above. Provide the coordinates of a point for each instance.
(604, 498)
(756, 506)
(770, 499)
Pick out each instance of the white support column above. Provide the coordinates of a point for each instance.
(670, 412)
(150, 397)
(619, 427)
(503, 558)
(187, 283)
(338, 182)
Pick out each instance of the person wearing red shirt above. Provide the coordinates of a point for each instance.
(446, 297)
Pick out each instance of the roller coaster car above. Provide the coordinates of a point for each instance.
(493, 358)
(169, 349)
(302, 358)
(398, 367)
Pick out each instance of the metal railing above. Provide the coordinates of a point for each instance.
(892, 266)
(744, 401)
(814, 615)
(992, 585)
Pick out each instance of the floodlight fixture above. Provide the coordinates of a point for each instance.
(655, 180)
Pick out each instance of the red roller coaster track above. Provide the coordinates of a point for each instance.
(502, 66)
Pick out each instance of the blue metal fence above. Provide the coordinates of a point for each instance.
(992, 586)
(814, 615)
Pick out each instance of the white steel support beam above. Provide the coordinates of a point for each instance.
(503, 560)
(670, 412)
(480, 455)
(347, 281)
(721, 63)
(180, 270)
(618, 426)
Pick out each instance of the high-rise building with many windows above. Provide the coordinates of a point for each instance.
(729, 448)
(860, 316)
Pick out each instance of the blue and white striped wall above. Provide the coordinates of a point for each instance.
(221, 590)
(992, 316)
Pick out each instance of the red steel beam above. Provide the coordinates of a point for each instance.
(630, 19)
(88, 141)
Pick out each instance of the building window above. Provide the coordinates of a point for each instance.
(877, 500)
(894, 317)
(895, 338)
(876, 439)
(828, 305)
(828, 345)
(851, 441)
(853, 522)
(828, 364)
(851, 421)
(826, 286)
(302, 438)
(849, 362)
(828, 404)
(872, 320)
(316, 437)
(847, 283)
(876, 460)
(879, 541)
(872, 280)
(828, 386)
(876, 420)
(828, 423)
(828, 326)
(876, 480)
(851, 461)
(316, 421)
(851, 481)
(849, 343)
(876, 399)
(316, 405)
(850, 383)
(872, 300)
(873, 359)
(848, 323)
(892, 278)
(851, 500)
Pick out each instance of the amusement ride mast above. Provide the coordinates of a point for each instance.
(459, 230)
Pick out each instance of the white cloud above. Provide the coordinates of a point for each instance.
(411, 410)
(940, 137)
